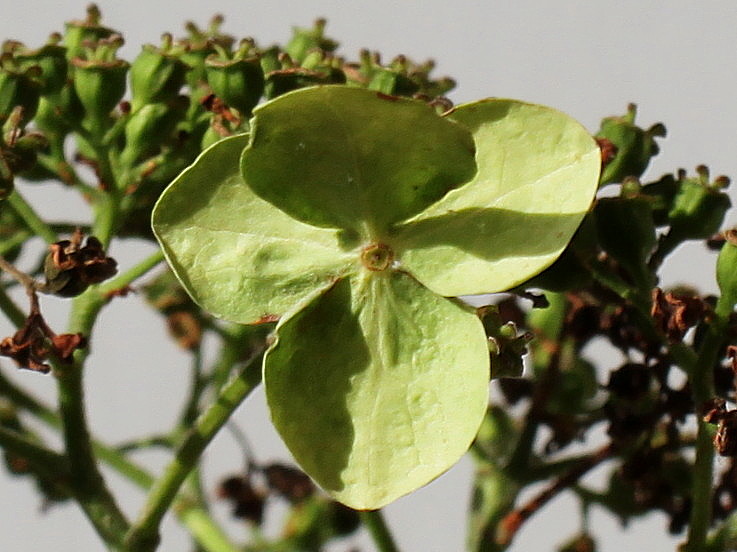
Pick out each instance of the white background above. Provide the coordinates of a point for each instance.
(589, 58)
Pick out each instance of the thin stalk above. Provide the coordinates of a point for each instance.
(43, 460)
(205, 531)
(107, 211)
(10, 309)
(203, 528)
(374, 522)
(15, 241)
(87, 481)
(34, 223)
(144, 534)
(513, 521)
(132, 274)
(209, 535)
(702, 389)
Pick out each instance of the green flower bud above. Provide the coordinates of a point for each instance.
(21, 155)
(698, 207)
(88, 30)
(52, 62)
(18, 87)
(626, 232)
(304, 40)
(323, 69)
(199, 45)
(57, 113)
(239, 81)
(149, 126)
(100, 83)
(727, 269)
(156, 75)
(390, 82)
(506, 347)
(661, 193)
(635, 146)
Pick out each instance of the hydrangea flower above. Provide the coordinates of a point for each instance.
(356, 219)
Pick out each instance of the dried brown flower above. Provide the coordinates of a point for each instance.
(675, 313)
(34, 342)
(71, 267)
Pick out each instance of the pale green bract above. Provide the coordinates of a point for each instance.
(352, 216)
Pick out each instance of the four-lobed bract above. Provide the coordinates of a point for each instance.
(352, 216)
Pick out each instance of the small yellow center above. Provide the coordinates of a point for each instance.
(377, 256)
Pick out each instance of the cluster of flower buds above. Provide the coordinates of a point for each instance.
(138, 124)
(506, 345)
(18, 150)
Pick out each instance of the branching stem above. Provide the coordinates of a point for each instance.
(144, 535)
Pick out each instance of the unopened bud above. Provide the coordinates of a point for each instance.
(304, 40)
(149, 126)
(85, 31)
(156, 75)
(57, 113)
(18, 87)
(52, 63)
(100, 85)
(727, 269)
(698, 208)
(635, 146)
(239, 82)
(198, 45)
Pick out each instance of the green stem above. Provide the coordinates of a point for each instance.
(209, 535)
(205, 531)
(30, 217)
(10, 309)
(43, 461)
(14, 242)
(87, 482)
(144, 535)
(107, 211)
(701, 379)
(132, 274)
(374, 522)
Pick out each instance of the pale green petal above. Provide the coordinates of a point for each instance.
(353, 158)
(378, 386)
(239, 257)
(538, 171)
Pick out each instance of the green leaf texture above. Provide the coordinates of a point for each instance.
(378, 386)
(364, 160)
(537, 175)
(239, 257)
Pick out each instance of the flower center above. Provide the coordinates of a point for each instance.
(377, 256)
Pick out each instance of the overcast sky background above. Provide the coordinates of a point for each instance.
(588, 58)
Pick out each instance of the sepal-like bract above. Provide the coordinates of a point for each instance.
(353, 215)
